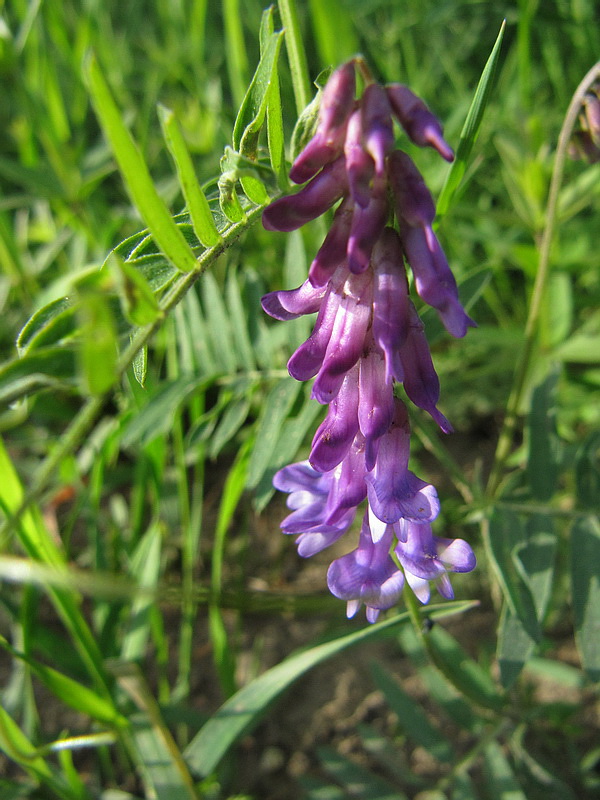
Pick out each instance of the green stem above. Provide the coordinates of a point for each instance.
(89, 412)
(296, 54)
(515, 399)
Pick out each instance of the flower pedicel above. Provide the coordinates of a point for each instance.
(367, 335)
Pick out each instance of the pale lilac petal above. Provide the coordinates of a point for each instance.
(378, 528)
(455, 554)
(312, 542)
(420, 587)
(367, 574)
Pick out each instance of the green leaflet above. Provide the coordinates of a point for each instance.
(543, 461)
(411, 717)
(585, 583)
(252, 112)
(197, 204)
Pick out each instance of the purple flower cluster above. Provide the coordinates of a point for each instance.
(368, 335)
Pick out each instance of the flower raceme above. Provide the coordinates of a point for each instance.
(366, 337)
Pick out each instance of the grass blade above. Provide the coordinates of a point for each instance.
(136, 174)
(471, 127)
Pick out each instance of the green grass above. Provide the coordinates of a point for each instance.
(144, 417)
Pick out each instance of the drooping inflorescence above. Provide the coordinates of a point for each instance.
(367, 336)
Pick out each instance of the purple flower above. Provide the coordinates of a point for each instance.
(425, 557)
(366, 335)
(395, 492)
(308, 358)
(378, 130)
(390, 302)
(376, 405)
(327, 144)
(367, 575)
(318, 521)
(414, 203)
(336, 433)
(347, 339)
(293, 303)
(367, 226)
(359, 163)
(434, 281)
(332, 252)
(421, 382)
(422, 127)
(291, 212)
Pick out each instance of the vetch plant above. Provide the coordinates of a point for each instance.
(150, 618)
(368, 336)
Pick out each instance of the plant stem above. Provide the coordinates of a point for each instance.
(296, 54)
(515, 399)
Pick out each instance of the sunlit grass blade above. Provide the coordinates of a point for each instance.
(232, 493)
(293, 432)
(335, 32)
(38, 544)
(235, 49)
(242, 711)
(463, 672)
(195, 199)
(471, 127)
(17, 747)
(544, 449)
(294, 44)
(145, 570)
(69, 691)
(506, 537)
(254, 106)
(455, 705)
(135, 172)
(219, 325)
(277, 406)
(515, 647)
